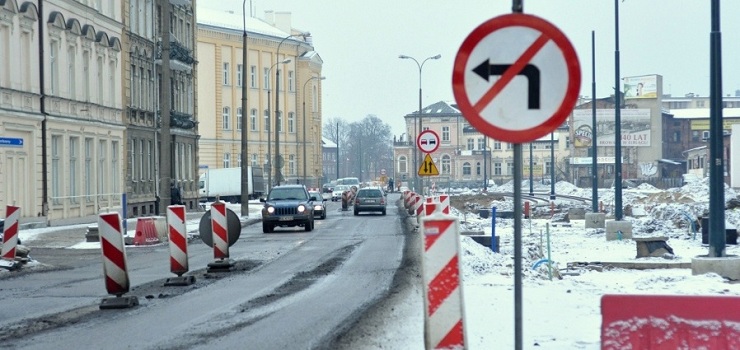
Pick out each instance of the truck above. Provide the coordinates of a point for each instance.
(225, 184)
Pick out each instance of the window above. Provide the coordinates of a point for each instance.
(149, 161)
(114, 166)
(239, 119)
(477, 169)
(134, 85)
(56, 171)
(445, 164)
(227, 160)
(291, 122)
(5, 55)
(141, 160)
(279, 127)
(445, 134)
(74, 154)
(88, 169)
(695, 135)
(277, 77)
(402, 163)
(253, 120)
(290, 81)
(253, 76)
(132, 160)
(548, 167)
(291, 164)
(112, 83)
(99, 78)
(267, 120)
(86, 75)
(254, 159)
(266, 78)
(226, 73)
(239, 69)
(496, 168)
(471, 144)
(705, 135)
(25, 64)
(481, 143)
(466, 169)
(225, 118)
(509, 168)
(102, 147)
(54, 69)
(239, 161)
(497, 145)
(676, 136)
(71, 77)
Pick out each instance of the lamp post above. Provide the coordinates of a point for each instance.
(267, 129)
(417, 154)
(245, 137)
(304, 124)
(278, 162)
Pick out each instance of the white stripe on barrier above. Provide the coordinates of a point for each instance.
(178, 239)
(218, 225)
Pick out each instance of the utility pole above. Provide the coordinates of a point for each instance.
(244, 124)
(165, 159)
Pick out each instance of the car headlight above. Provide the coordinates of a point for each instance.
(301, 208)
(316, 207)
(270, 210)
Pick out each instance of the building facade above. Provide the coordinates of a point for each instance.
(466, 157)
(274, 50)
(61, 116)
(142, 86)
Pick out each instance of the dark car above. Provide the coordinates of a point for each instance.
(288, 206)
(370, 199)
(319, 205)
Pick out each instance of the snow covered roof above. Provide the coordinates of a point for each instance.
(327, 143)
(441, 107)
(698, 113)
(231, 20)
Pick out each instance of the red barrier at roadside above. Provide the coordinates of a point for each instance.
(218, 225)
(445, 200)
(10, 233)
(443, 295)
(114, 263)
(178, 239)
(670, 322)
(429, 208)
(146, 232)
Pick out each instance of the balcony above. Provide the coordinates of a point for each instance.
(180, 2)
(181, 58)
(178, 120)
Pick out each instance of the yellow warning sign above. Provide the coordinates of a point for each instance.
(427, 167)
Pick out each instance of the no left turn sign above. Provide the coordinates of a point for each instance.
(516, 78)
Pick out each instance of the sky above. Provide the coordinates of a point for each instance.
(360, 41)
(558, 313)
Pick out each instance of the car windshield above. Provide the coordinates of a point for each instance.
(314, 194)
(341, 188)
(370, 193)
(287, 193)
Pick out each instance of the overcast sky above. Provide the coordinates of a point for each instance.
(360, 41)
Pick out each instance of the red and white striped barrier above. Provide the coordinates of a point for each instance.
(10, 233)
(178, 246)
(407, 199)
(218, 225)
(178, 239)
(114, 262)
(443, 295)
(430, 208)
(445, 200)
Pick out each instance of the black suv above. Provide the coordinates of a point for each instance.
(288, 206)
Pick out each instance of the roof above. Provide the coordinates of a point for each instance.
(230, 20)
(441, 107)
(328, 143)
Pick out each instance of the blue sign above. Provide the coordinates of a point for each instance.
(202, 166)
(11, 142)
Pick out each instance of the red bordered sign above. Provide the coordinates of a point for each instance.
(516, 78)
(427, 141)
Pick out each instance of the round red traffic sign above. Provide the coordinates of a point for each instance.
(516, 78)
(427, 141)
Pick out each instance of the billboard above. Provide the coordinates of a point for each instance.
(635, 127)
(645, 86)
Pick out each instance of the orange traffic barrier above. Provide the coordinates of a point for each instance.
(146, 233)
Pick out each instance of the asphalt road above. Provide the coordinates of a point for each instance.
(289, 289)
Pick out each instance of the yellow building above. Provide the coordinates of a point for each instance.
(275, 50)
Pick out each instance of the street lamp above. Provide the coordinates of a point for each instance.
(245, 137)
(278, 164)
(267, 126)
(416, 132)
(304, 124)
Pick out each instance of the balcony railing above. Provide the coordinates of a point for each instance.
(178, 52)
(178, 120)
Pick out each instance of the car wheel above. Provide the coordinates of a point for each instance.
(308, 226)
(323, 216)
(383, 212)
(266, 228)
(356, 212)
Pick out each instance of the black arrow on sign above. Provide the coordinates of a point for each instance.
(485, 70)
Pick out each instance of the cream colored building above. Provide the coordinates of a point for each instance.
(460, 158)
(220, 72)
(61, 128)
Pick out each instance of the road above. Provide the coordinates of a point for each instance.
(289, 289)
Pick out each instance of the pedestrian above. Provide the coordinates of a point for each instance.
(175, 194)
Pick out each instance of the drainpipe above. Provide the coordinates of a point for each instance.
(42, 93)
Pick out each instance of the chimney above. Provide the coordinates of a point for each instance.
(270, 17)
(282, 21)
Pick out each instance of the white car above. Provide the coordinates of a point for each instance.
(338, 190)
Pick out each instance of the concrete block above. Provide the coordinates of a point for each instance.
(482, 240)
(595, 220)
(160, 224)
(614, 228)
(645, 244)
(576, 213)
(92, 234)
(726, 266)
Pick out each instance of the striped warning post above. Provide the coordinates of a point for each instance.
(218, 225)
(418, 205)
(114, 254)
(406, 199)
(178, 239)
(443, 295)
(445, 200)
(10, 233)
(430, 207)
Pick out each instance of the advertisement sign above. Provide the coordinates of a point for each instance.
(645, 86)
(635, 127)
(703, 124)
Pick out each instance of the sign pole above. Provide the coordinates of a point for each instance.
(518, 245)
